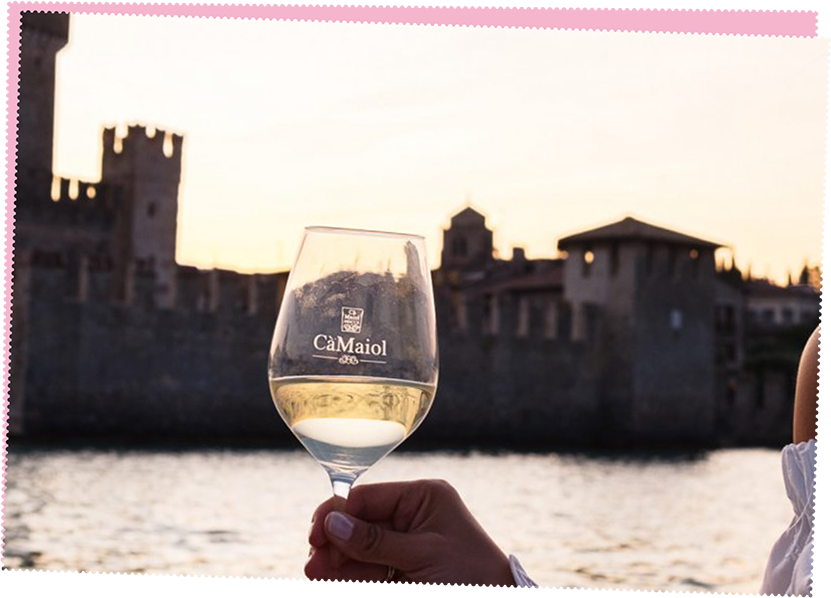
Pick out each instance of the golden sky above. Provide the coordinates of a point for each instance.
(395, 127)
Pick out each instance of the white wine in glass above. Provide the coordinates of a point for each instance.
(354, 359)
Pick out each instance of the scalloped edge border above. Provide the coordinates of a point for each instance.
(433, 23)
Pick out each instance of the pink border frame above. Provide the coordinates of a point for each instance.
(712, 22)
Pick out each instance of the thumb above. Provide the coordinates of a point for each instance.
(370, 543)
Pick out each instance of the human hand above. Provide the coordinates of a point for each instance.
(332, 575)
(422, 529)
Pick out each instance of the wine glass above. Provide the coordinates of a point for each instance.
(353, 366)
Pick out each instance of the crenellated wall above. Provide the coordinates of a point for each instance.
(100, 366)
(130, 215)
(134, 370)
(99, 356)
(94, 278)
(507, 382)
(96, 354)
(68, 216)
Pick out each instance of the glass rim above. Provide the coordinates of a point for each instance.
(361, 232)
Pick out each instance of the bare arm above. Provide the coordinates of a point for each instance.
(807, 383)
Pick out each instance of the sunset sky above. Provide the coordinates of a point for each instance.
(397, 127)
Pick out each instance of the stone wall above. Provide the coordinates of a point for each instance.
(756, 408)
(527, 391)
(674, 351)
(506, 386)
(126, 368)
(107, 368)
(135, 370)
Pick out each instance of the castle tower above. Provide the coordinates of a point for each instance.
(146, 166)
(644, 296)
(42, 36)
(468, 243)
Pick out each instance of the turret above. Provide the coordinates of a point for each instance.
(42, 35)
(468, 243)
(146, 165)
(644, 297)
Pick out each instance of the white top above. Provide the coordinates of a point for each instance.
(525, 587)
(789, 565)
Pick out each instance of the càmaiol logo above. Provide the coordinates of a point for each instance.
(352, 350)
(351, 319)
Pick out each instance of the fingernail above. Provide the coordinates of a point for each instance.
(339, 525)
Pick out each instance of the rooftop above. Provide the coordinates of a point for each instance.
(763, 288)
(548, 278)
(468, 216)
(631, 229)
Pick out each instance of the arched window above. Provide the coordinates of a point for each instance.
(588, 260)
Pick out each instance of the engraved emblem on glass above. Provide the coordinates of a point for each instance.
(353, 365)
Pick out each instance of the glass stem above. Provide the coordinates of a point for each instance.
(341, 487)
(341, 481)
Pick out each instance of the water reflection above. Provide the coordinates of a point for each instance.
(674, 521)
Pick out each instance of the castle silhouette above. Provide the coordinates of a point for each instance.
(635, 337)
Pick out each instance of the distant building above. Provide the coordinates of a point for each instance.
(669, 345)
(771, 306)
(651, 291)
(634, 300)
(634, 337)
(468, 244)
(97, 288)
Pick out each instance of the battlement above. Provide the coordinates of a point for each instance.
(144, 140)
(98, 278)
(83, 202)
(229, 292)
(73, 190)
(70, 202)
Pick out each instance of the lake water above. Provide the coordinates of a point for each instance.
(703, 522)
